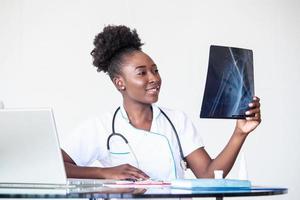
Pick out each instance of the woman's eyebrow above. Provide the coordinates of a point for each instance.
(144, 66)
(140, 66)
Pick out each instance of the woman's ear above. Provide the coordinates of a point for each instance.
(119, 83)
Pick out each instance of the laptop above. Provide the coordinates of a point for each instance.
(229, 84)
(30, 155)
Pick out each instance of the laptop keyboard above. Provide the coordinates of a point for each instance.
(88, 182)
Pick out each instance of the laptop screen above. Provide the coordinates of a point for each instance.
(29, 147)
(229, 84)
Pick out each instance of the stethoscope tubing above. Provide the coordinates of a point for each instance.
(126, 141)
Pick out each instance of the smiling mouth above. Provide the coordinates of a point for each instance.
(153, 90)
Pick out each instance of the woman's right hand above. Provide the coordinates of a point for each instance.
(124, 171)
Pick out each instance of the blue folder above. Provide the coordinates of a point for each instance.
(209, 183)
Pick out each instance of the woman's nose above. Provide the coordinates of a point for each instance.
(153, 77)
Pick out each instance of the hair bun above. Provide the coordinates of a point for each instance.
(110, 42)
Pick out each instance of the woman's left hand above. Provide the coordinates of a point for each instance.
(253, 120)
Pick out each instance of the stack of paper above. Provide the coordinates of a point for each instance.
(137, 184)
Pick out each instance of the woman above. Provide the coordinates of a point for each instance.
(144, 143)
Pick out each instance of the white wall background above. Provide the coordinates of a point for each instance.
(45, 61)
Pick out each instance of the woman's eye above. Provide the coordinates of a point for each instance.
(141, 73)
(156, 71)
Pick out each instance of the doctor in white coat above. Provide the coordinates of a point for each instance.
(139, 139)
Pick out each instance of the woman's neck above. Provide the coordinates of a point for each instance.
(140, 115)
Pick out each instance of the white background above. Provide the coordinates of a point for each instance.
(45, 62)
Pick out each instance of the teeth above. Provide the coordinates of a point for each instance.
(153, 89)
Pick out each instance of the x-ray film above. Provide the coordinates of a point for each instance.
(229, 83)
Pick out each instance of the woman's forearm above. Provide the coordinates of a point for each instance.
(225, 160)
(117, 172)
(74, 171)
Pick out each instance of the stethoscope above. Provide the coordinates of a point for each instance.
(183, 162)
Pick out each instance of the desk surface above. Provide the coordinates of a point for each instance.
(164, 192)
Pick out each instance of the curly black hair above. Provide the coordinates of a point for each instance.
(111, 45)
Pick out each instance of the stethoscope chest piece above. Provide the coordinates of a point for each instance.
(183, 165)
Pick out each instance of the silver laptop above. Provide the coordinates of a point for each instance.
(30, 154)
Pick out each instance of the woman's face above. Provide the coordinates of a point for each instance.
(140, 78)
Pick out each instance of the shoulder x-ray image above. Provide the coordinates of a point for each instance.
(229, 84)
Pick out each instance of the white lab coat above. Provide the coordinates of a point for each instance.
(155, 152)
